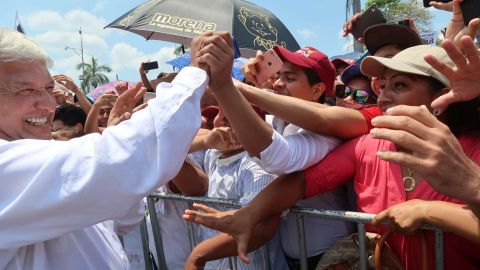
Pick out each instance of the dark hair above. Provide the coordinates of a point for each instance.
(70, 115)
(313, 78)
(464, 117)
(461, 117)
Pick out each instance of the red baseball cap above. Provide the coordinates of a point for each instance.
(338, 61)
(311, 58)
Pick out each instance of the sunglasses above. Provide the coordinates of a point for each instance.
(359, 95)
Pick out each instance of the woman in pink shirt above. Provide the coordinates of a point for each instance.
(406, 80)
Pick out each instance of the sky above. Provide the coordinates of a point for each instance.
(54, 24)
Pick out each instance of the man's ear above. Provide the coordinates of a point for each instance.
(318, 90)
(78, 126)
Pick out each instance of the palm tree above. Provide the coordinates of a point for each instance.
(93, 74)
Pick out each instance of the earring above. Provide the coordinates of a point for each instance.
(437, 112)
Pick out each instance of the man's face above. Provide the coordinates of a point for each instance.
(292, 81)
(103, 114)
(27, 104)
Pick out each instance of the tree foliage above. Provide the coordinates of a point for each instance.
(93, 74)
(397, 10)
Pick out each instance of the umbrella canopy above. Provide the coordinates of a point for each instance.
(184, 60)
(253, 27)
(107, 87)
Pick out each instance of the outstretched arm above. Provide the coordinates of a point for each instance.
(223, 245)
(68, 83)
(409, 216)
(190, 181)
(254, 134)
(278, 196)
(339, 122)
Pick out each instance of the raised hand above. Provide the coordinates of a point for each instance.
(67, 82)
(197, 44)
(442, 6)
(405, 217)
(107, 99)
(217, 54)
(347, 27)
(430, 149)
(121, 87)
(124, 107)
(456, 28)
(464, 78)
(222, 139)
(234, 222)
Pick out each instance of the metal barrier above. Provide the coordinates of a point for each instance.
(360, 218)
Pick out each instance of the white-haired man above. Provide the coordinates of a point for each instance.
(53, 193)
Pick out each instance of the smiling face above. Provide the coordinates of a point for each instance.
(27, 103)
(405, 89)
(103, 114)
(292, 81)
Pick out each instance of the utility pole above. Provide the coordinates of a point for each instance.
(81, 50)
(356, 8)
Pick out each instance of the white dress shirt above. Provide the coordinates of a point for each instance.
(294, 149)
(53, 192)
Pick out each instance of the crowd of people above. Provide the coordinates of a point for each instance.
(400, 140)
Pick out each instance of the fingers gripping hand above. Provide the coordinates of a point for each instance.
(217, 54)
(195, 47)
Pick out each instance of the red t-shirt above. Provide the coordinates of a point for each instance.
(369, 113)
(378, 186)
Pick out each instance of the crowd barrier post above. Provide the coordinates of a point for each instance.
(302, 244)
(157, 238)
(145, 247)
(359, 218)
(439, 249)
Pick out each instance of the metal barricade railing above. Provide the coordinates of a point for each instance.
(360, 218)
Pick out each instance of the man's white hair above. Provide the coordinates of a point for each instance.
(15, 46)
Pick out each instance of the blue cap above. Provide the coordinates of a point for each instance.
(351, 72)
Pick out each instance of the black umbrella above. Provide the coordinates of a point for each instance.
(253, 27)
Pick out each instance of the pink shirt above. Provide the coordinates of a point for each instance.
(378, 185)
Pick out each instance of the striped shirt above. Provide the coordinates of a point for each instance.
(238, 178)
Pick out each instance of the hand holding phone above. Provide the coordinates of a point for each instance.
(470, 10)
(370, 17)
(426, 3)
(269, 66)
(150, 65)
